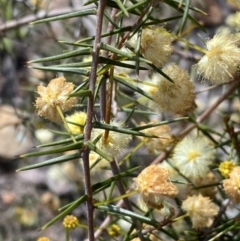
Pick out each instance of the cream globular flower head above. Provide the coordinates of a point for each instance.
(226, 167)
(201, 210)
(192, 156)
(165, 138)
(232, 185)
(78, 120)
(156, 45)
(177, 97)
(115, 142)
(55, 94)
(221, 59)
(154, 186)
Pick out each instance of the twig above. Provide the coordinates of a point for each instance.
(90, 109)
(12, 24)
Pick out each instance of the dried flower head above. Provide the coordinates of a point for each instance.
(115, 142)
(70, 222)
(177, 97)
(192, 156)
(221, 59)
(114, 230)
(156, 45)
(77, 121)
(43, 239)
(156, 145)
(232, 185)
(226, 168)
(55, 94)
(154, 186)
(201, 210)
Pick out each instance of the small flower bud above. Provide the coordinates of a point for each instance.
(79, 120)
(226, 168)
(114, 230)
(70, 222)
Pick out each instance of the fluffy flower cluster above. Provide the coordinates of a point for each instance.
(226, 168)
(156, 45)
(177, 97)
(201, 210)
(192, 156)
(55, 94)
(115, 142)
(232, 185)
(164, 140)
(78, 120)
(70, 222)
(221, 59)
(154, 186)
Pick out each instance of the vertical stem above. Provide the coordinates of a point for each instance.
(116, 171)
(105, 54)
(109, 103)
(90, 109)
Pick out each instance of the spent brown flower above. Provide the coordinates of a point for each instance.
(201, 210)
(55, 94)
(154, 186)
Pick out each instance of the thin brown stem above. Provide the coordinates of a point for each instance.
(13, 24)
(109, 103)
(89, 125)
(102, 95)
